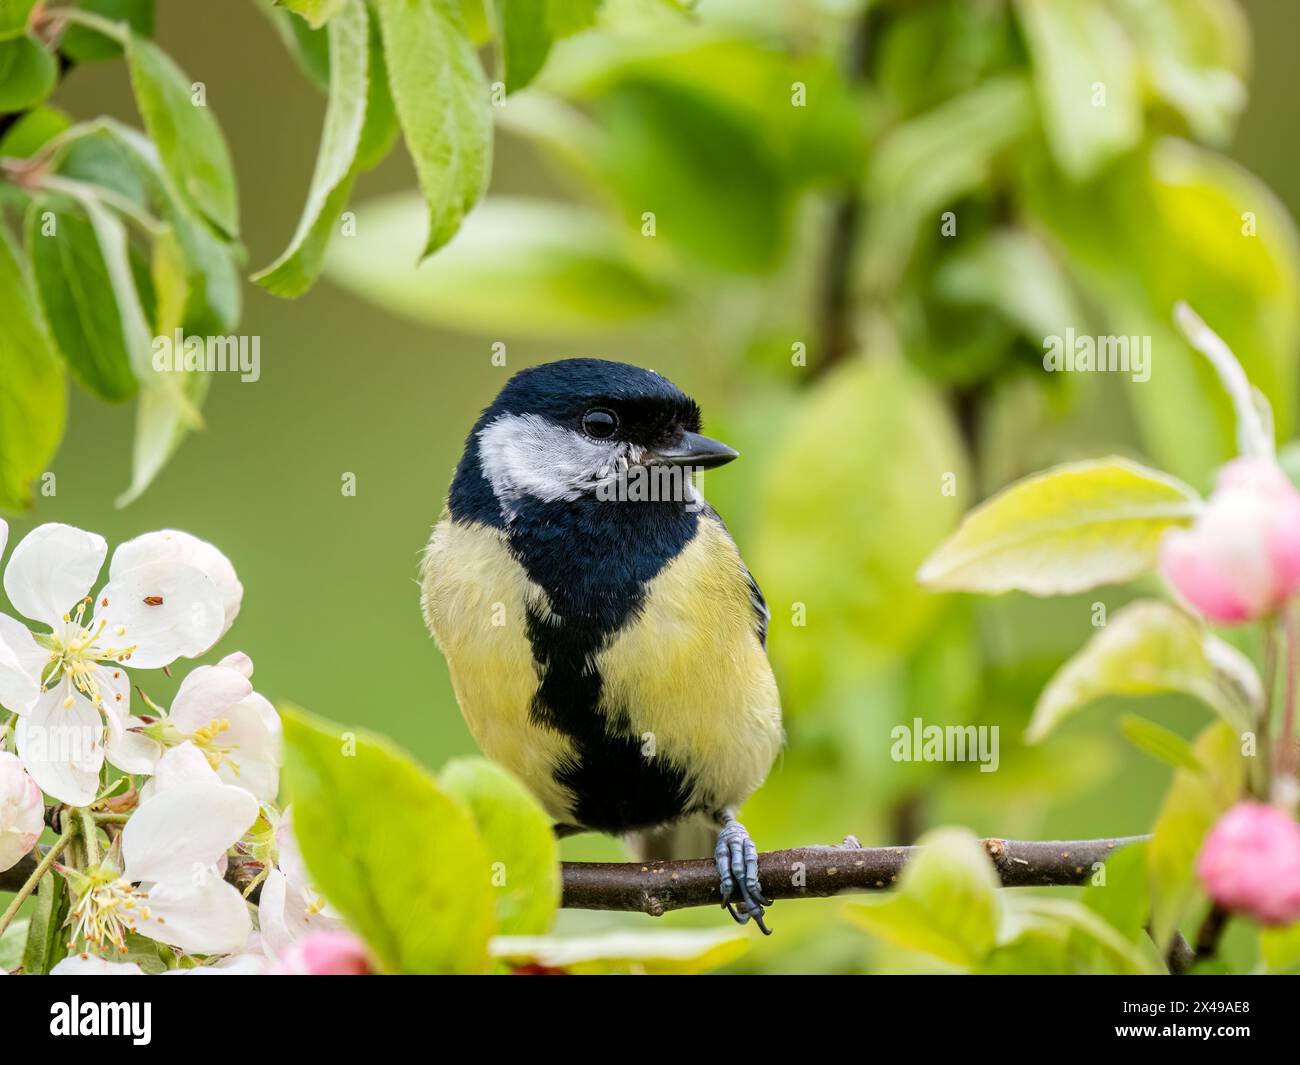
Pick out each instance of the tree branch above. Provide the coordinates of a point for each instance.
(799, 873)
(817, 872)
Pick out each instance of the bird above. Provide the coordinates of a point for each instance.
(605, 641)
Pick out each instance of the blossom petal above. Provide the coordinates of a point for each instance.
(200, 913)
(125, 748)
(21, 662)
(285, 914)
(89, 965)
(209, 692)
(239, 661)
(51, 570)
(182, 764)
(183, 828)
(61, 743)
(176, 546)
(162, 611)
(254, 735)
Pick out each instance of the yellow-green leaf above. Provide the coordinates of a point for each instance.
(1066, 530)
(398, 857)
(1148, 648)
(1195, 801)
(520, 842)
(680, 951)
(1084, 72)
(189, 141)
(441, 97)
(345, 117)
(946, 904)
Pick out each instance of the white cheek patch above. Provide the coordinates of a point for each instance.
(527, 455)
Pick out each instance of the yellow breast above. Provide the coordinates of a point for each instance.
(475, 599)
(692, 675)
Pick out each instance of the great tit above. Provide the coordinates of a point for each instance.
(605, 640)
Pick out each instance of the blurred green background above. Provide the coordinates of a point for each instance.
(331, 614)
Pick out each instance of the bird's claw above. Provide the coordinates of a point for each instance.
(737, 860)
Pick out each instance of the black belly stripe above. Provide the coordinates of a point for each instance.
(593, 559)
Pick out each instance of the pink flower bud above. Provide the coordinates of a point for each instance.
(325, 954)
(1250, 863)
(1241, 560)
(22, 811)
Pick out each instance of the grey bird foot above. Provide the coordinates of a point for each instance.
(737, 861)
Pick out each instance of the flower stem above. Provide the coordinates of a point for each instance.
(51, 856)
(1264, 726)
(90, 836)
(1285, 752)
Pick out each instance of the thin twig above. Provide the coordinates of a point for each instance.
(817, 872)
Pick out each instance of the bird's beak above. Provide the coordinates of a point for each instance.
(692, 450)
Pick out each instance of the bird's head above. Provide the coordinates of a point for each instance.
(567, 429)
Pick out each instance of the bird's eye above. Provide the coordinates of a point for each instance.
(600, 423)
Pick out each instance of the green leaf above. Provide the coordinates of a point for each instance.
(309, 48)
(1013, 272)
(441, 97)
(84, 45)
(1280, 948)
(1150, 648)
(853, 497)
(12, 941)
(300, 264)
(214, 300)
(520, 843)
(190, 144)
(46, 942)
(316, 12)
(31, 132)
(382, 129)
(926, 165)
(77, 296)
(1194, 802)
(1161, 743)
(716, 189)
(1093, 944)
(1196, 57)
(33, 392)
(526, 30)
(399, 859)
(14, 16)
(946, 904)
(161, 422)
(1066, 530)
(677, 952)
(524, 33)
(28, 73)
(1184, 224)
(1084, 73)
(1121, 899)
(567, 270)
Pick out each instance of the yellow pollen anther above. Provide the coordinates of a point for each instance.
(69, 703)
